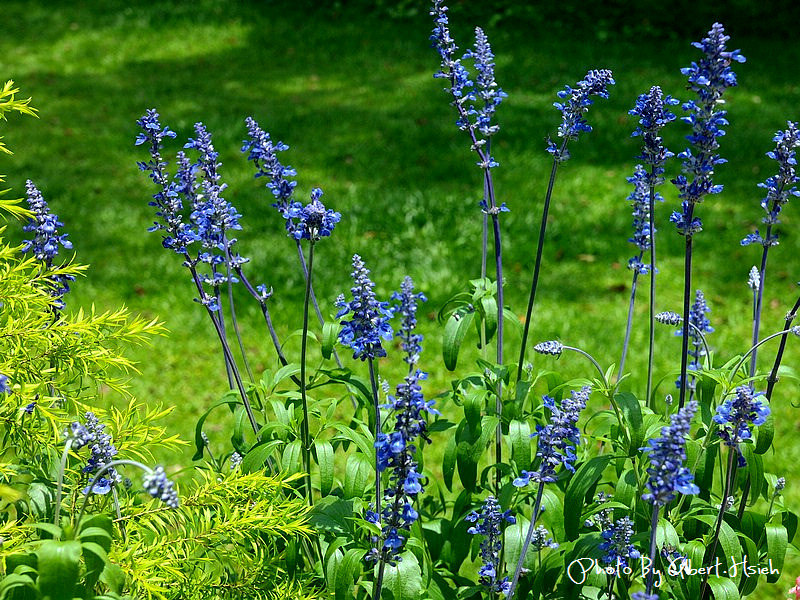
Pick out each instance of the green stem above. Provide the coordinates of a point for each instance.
(60, 482)
(304, 430)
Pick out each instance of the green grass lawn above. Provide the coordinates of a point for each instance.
(354, 98)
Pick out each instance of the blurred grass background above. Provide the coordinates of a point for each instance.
(349, 88)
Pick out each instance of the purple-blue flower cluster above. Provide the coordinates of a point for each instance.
(4, 387)
(488, 523)
(264, 154)
(667, 475)
(617, 543)
(102, 449)
(557, 439)
(312, 221)
(44, 225)
(487, 89)
(576, 103)
(195, 189)
(159, 486)
(396, 451)
(698, 318)
(781, 187)
(212, 215)
(644, 596)
(651, 108)
(738, 415)
(640, 203)
(708, 79)
(476, 101)
(370, 318)
(178, 235)
(406, 307)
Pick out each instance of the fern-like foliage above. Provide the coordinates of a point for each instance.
(228, 539)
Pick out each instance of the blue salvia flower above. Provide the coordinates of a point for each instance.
(488, 523)
(396, 452)
(102, 449)
(667, 475)
(370, 318)
(551, 347)
(264, 154)
(312, 221)
(738, 415)
(461, 86)
(178, 234)
(698, 318)
(159, 486)
(708, 79)
(541, 539)
(781, 187)
(640, 203)
(780, 484)
(212, 215)
(617, 545)
(576, 104)
(4, 387)
(651, 108)
(44, 225)
(487, 88)
(406, 307)
(643, 596)
(557, 439)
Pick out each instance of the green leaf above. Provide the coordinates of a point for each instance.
(324, 456)
(766, 432)
(113, 577)
(404, 581)
(474, 400)
(349, 568)
(332, 514)
(96, 558)
(258, 455)
(290, 461)
(580, 484)
(360, 439)
(199, 443)
(285, 372)
(514, 540)
(330, 333)
(632, 415)
(454, 332)
(488, 308)
(552, 514)
(449, 463)
(777, 542)
(59, 566)
(723, 588)
(519, 433)
(358, 474)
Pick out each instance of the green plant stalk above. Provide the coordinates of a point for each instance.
(687, 286)
(653, 529)
(304, 429)
(652, 304)
(60, 481)
(753, 349)
(723, 503)
(629, 323)
(376, 401)
(527, 542)
(538, 262)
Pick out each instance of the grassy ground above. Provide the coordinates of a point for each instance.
(355, 100)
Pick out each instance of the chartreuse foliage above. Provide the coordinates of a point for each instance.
(64, 537)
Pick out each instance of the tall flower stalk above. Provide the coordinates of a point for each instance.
(263, 151)
(708, 79)
(699, 326)
(476, 107)
(667, 474)
(210, 217)
(576, 103)
(556, 444)
(780, 188)
(488, 523)
(363, 333)
(736, 417)
(396, 452)
(651, 108)
(311, 222)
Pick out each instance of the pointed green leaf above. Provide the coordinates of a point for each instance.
(777, 543)
(519, 432)
(324, 456)
(59, 567)
(359, 474)
(580, 484)
(454, 332)
(330, 333)
(199, 442)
